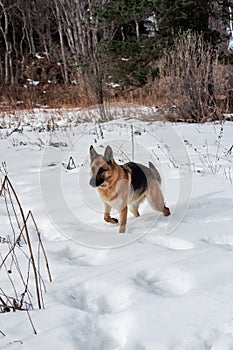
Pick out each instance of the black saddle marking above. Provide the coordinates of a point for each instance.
(139, 175)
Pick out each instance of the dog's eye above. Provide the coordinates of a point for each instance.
(101, 170)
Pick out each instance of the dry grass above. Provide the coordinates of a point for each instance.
(193, 84)
(21, 263)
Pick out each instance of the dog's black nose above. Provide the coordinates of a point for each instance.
(92, 182)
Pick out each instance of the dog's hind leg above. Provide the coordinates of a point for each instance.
(155, 198)
(134, 209)
(107, 216)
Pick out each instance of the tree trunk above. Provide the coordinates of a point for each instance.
(65, 71)
(7, 44)
(137, 29)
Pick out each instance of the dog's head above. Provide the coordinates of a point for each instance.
(102, 167)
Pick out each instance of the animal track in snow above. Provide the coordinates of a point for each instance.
(225, 240)
(169, 242)
(102, 299)
(172, 282)
(68, 254)
(224, 342)
(208, 210)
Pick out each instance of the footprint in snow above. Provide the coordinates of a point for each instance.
(99, 298)
(171, 282)
(68, 253)
(225, 241)
(224, 342)
(168, 242)
(211, 207)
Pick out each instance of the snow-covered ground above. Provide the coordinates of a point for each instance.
(167, 283)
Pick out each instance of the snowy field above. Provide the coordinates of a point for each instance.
(167, 283)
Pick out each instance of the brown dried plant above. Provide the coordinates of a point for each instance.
(22, 285)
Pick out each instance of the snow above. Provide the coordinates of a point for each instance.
(165, 284)
(230, 44)
(33, 82)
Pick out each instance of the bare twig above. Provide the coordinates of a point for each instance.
(132, 142)
(2, 333)
(28, 242)
(10, 263)
(30, 319)
(41, 245)
(230, 150)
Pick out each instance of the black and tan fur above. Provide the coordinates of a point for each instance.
(124, 187)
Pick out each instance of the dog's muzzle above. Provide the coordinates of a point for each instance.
(92, 182)
(96, 182)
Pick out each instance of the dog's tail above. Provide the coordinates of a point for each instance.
(155, 172)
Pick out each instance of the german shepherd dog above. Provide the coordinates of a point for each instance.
(124, 187)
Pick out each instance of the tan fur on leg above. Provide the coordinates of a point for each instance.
(107, 216)
(134, 210)
(123, 219)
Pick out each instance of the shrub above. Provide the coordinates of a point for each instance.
(192, 81)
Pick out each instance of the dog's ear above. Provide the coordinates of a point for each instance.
(108, 154)
(93, 153)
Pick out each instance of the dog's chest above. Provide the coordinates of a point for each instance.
(115, 199)
(112, 198)
(118, 203)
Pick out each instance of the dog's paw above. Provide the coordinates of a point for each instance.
(122, 229)
(111, 220)
(166, 211)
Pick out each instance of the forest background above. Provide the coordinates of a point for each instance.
(175, 55)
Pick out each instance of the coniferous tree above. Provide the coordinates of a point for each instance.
(99, 42)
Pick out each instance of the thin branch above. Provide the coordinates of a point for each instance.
(28, 242)
(41, 244)
(30, 319)
(2, 333)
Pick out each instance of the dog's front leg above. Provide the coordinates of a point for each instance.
(123, 219)
(107, 216)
